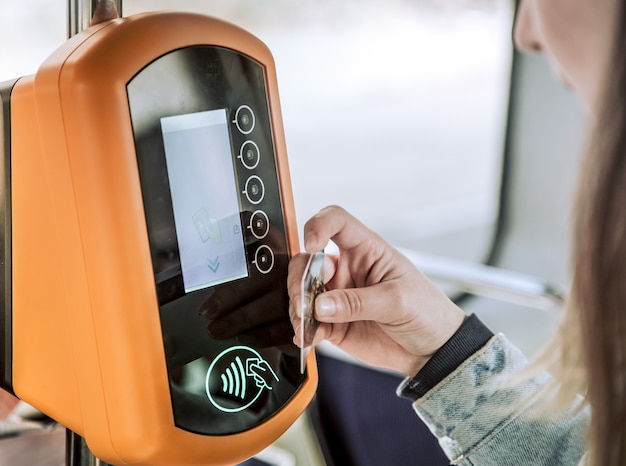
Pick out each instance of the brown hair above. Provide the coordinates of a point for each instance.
(599, 282)
(588, 352)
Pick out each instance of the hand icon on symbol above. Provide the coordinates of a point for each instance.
(261, 371)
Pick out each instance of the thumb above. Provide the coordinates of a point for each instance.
(349, 305)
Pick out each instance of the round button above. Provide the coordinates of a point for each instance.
(244, 119)
(249, 154)
(264, 259)
(254, 189)
(259, 224)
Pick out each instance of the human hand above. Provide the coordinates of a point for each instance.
(254, 312)
(378, 306)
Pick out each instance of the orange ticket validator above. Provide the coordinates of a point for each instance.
(149, 222)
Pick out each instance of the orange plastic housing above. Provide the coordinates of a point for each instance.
(88, 349)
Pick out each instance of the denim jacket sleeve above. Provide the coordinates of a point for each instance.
(481, 418)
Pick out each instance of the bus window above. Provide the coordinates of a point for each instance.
(395, 110)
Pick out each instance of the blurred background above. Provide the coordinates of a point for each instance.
(395, 110)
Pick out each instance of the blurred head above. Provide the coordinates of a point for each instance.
(577, 37)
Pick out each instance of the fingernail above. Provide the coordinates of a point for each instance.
(217, 328)
(324, 307)
(207, 313)
(309, 244)
(307, 247)
(211, 308)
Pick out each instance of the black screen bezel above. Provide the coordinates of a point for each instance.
(188, 80)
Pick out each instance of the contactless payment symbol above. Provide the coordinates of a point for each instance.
(237, 377)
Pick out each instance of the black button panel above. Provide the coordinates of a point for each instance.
(254, 187)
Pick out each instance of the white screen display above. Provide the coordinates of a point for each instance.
(204, 198)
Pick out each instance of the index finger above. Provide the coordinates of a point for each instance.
(296, 268)
(336, 224)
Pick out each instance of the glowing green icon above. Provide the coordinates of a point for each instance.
(237, 377)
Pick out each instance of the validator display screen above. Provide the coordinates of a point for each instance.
(204, 198)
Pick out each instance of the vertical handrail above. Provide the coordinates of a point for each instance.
(80, 13)
(79, 17)
(77, 452)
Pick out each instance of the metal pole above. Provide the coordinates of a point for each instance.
(80, 12)
(79, 17)
(77, 453)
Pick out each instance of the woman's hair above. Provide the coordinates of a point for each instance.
(588, 353)
(599, 281)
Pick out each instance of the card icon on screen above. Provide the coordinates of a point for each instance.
(208, 228)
